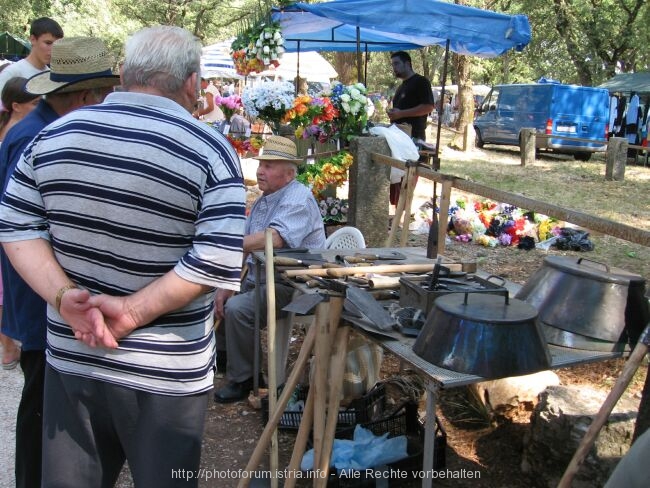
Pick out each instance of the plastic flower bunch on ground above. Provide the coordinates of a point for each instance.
(491, 224)
(326, 171)
(228, 105)
(351, 101)
(312, 117)
(333, 209)
(269, 101)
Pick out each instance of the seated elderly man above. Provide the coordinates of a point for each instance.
(290, 210)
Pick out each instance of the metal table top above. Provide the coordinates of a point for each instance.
(561, 357)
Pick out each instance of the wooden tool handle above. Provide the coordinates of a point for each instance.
(383, 268)
(354, 259)
(282, 261)
(274, 418)
(302, 437)
(383, 282)
(334, 399)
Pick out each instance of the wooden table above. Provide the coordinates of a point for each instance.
(435, 378)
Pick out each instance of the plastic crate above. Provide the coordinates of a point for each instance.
(365, 409)
(403, 422)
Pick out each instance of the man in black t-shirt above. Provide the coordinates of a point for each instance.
(412, 103)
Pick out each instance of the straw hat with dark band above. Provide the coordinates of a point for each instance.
(278, 148)
(78, 63)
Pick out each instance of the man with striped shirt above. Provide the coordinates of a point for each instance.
(125, 217)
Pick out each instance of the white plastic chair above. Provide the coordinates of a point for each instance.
(346, 238)
(343, 238)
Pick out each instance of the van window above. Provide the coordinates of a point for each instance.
(490, 101)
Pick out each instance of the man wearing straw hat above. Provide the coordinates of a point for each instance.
(125, 217)
(81, 75)
(289, 209)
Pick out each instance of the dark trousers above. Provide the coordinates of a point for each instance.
(91, 427)
(29, 421)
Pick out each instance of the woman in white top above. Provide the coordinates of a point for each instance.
(207, 111)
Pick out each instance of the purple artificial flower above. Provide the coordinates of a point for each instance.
(505, 239)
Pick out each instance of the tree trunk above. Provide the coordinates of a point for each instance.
(425, 56)
(345, 64)
(463, 66)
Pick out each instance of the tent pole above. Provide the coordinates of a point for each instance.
(296, 82)
(359, 70)
(432, 242)
(365, 68)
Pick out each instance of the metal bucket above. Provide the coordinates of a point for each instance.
(589, 299)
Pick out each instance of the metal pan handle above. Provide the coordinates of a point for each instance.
(467, 293)
(595, 262)
(497, 277)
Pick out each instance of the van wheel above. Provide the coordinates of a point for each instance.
(582, 156)
(479, 140)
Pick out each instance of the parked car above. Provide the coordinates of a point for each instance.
(578, 112)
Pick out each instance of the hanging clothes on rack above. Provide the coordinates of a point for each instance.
(613, 111)
(619, 126)
(632, 119)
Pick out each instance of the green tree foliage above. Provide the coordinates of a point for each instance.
(575, 41)
(582, 41)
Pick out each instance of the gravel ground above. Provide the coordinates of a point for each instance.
(12, 383)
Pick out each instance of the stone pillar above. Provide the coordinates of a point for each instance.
(528, 143)
(369, 190)
(616, 159)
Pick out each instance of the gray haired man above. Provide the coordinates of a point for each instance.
(135, 216)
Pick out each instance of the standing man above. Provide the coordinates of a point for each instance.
(131, 214)
(42, 34)
(86, 65)
(412, 103)
(290, 210)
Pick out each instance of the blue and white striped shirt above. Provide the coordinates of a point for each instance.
(126, 191)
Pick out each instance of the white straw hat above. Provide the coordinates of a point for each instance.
(78, 63)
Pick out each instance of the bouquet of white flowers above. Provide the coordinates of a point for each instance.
(269, 101)
(351, 102)
(268, 46)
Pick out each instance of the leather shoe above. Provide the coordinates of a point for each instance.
(233, 392)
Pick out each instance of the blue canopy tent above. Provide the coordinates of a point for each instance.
(401, 24)
(347, 25)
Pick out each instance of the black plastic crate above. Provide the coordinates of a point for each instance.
(403, 422)
(365, 409)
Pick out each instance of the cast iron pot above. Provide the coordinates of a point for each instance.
(485, 335)
(588, 298)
